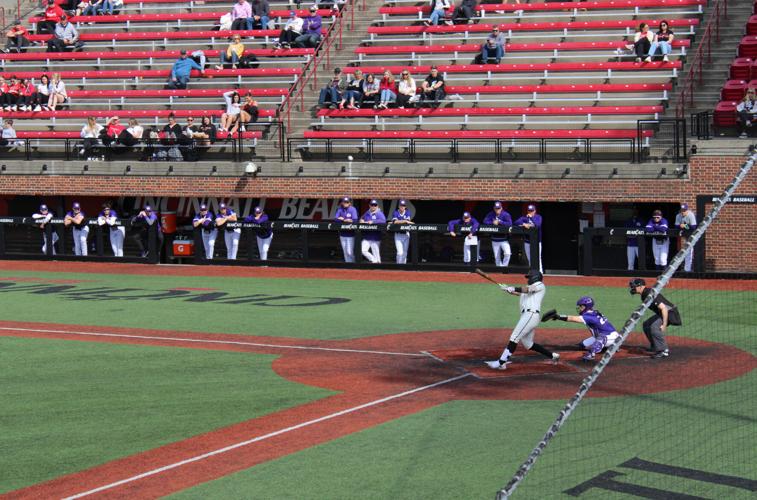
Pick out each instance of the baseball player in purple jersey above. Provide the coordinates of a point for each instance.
(264, 235)
(206, 222)
(347, 214)
(660, 244)
(41, 219)
(602, 331)
(471, 239)
(531, 219)
(632, 248)
(77, 220)
(230, 236)
(144, 221)
(500, 244)
(402, 238)
(371, 244)
(686, 220)
(117, 233)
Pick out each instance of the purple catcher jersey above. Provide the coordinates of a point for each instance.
(597, 324)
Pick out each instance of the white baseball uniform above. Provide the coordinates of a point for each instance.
(44, 219)
(530, 314)
(80, 240)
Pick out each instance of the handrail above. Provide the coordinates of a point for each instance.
(310, 71)
(695, 72)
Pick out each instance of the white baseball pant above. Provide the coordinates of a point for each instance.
(632, 253)
(263, 245)
(524, 330)
(117, 241)
(467, 243)
(502, 253)
(611, 338)
(402, 243)
(209, 242)
(232, 243)
(371, 250)
(44, 242)
(688, 260)
(528, 256)
(80, 241)
(660, 251)
(348, 247)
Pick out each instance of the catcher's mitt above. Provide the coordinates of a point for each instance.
(550, 315)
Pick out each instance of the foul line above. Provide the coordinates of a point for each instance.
(264, 437)
(211, 341)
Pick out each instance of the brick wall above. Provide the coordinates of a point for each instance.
(731, 246)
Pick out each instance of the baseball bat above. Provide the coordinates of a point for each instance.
(485, 276)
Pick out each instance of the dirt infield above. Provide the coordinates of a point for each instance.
(378, 379)
(348, 274)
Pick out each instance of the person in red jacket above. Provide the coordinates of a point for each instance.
(16, 40)
(113, 129)
(26, 94)
(52, 16)
(12, 91)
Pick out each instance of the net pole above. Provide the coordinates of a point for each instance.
(628, 327)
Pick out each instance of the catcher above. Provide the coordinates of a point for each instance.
(602, 331)
(530, 303)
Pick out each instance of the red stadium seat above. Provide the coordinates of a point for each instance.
(740, 68)
(160, 35)
(74, 134)
(519, 68)
(125, 113)
(158, 73)
(96, 94)
(751, 26)
(748, 47)
(725, 114)
(482, 111)
(733, 90)
(184, 16)
(473, 134)
(557, 89)
(547, 6)
(147, 54)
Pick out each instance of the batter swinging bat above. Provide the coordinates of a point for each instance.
(485, 276)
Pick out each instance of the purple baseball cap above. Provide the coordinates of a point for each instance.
(466, 215)
(76, 206)
(684, 206)
(497, 204)
(402, 203)
(42, 207)
(531, 208)
(203, 207)
(148, 208)
(347, 199)
(374, 202)
(656, 213)
(222, 206)
(258, 210)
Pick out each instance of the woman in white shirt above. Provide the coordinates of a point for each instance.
(230, 119)
(406, 90)
(41, 96)
(438, 9)
(91, 135)
(642, 41)
(58, 95)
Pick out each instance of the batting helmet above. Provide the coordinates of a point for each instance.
(533, 276)
(585, 301)
(634, 283)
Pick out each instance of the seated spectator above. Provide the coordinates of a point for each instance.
(311, 35)
(90, 133)
(438, 10)
(58, 94)
(85, 8)
(493, 47)
(26, 95)
(3, 91)
(66, 37)
(370, 91)
(206, 134)
(181, 70)
(746, 110)
(51, 17)
(249, 112)
(388, 89)
(261, 13)
(292, 29)
(465, 12)
(112, 130)
(172, 137)
(663, 39)
(241, 16)
(230, 119)
(197, 132)
(353, 92)
(432, 88)
(41, 96)
(332, 90)
(8, 137)
(10, 91)
(642, 42)
(406, 90)
(16, 40)
(233, 53)
(105, 7)
(131, 135)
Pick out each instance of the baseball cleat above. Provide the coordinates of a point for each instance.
(498, 364)
(555, 357)
(589, 356)
(661, 354)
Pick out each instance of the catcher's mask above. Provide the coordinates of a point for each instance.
(634, 283)
(533, 276)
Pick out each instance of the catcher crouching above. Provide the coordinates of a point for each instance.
(602, 331)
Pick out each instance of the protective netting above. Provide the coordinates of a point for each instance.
(681, 427)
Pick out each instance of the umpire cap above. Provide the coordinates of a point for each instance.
(634, 283)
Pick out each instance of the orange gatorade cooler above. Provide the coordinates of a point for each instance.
(168, 222)
(183, 248)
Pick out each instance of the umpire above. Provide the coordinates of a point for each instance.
(665, 313)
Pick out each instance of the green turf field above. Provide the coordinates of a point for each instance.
(70, 405)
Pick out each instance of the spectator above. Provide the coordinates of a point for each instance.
(438, 10)
(465, 12)
(354, 91)
(370, 91)
(3, 92)
(41, 219)
(261, 12)
(406, 90)
(493, 47)
(16, 40)
(85, 8)
(8, 137)
(53, 14)
(745, 110)
(106, 8)
(432, 88)
(79, 228)
(90, 134)
(264, 235)
(292, 29)
(41, 96)
(249, 112)
(133, 133)
(471, 239)
(388, 88)
(209, 132)
(241, 16)
(10, 94)
(230, 119)
(66, 37)
(311, 35)
(332, 90)
(181, 70)
(109, 217)
(663, 39)
(112, 131)
(371, 245)
(233, 53)
(58, 95)
(642, 42)
(172, 137)
(26, 95)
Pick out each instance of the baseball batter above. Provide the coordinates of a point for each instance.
(206, 222)
(602, 331)
(500, 244)
(108, 217)
(471, 239)
(531, 297)
(531, 219)
(402, 238)
(264, 234)
(660, 244)
(665, 313)
(77, 220)
(686, 220)
(371, 244)
(230, 235)
(41, 219)
(347, 214)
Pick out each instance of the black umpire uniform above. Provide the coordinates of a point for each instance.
(665, 313)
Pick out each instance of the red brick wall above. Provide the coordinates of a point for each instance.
(731, 246)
